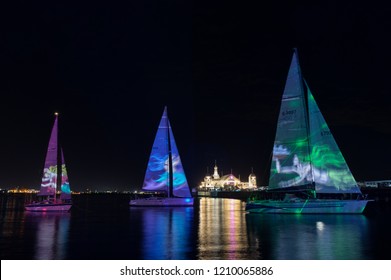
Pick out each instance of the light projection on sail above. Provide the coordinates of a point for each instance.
(49, 178)
(291, 163)
(157, 176)
(330, 170)
(54, 179)
(305, 154)
(65, 188)
(180, 186)
(306, 159)
(49, 181)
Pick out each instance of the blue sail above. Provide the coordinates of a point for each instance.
(180, 185)
(156, 176)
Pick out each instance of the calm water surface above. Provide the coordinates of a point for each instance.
(103, 227)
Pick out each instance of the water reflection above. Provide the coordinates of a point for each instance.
(102, 227)
(52, 231)
(12, 229)
(309, 237)
(166, 232)
(222, 230)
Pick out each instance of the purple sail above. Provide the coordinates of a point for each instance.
(49, 178)
(54, 168)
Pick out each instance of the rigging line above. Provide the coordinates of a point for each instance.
(305, 203)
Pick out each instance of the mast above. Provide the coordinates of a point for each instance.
(58, 163)
(306, 115)
(170, 169)
(309, 138)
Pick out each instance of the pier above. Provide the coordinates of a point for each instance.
(377, 194)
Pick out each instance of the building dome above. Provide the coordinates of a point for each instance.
(229, 180)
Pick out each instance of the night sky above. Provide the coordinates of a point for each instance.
(109, 70)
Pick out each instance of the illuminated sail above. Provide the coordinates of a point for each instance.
(164, 152)
(51, 169)
(156, 176)
(305, 154)
(180, 186)
(65, 188)
(307, 160)
(49, 178)
(54, 175)
(291, 163)
(330, 171)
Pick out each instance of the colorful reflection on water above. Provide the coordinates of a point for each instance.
(103, 227)
(52, 231)
(309, 237)
(222, 232)
(32, 235)
(165, 232)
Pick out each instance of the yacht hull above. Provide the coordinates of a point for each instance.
(162, 202)
(42, 207)
(316, 206)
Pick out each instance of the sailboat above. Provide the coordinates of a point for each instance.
(308, 171)
(165, 172)
(54, 174)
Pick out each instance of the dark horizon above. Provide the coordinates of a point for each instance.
(220, 68)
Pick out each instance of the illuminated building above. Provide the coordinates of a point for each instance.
(227, 182)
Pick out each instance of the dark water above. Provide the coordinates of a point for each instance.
(103, 227)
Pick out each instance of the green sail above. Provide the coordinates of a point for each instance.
(330, 172)
(290, 168)
(305, 154)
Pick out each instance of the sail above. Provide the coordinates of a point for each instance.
(330, 171)
(49, 178)
(156, 176)
(290, 168)
(65, 188)
(180, 186)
